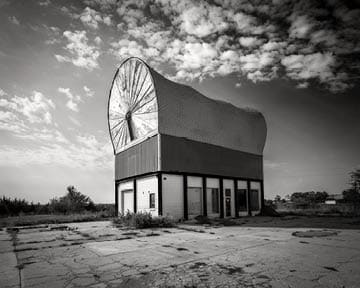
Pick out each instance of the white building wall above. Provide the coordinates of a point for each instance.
(144, 187)
(229, 184)
(212, 183)
(172, 196)
(194, 181)
(129, 185)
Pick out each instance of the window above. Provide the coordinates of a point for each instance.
(228, 192)
(215, 200)
(152, 200)
(241, 199)
(254, 199)
(255, 189)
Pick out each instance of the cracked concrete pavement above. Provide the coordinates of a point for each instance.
(96, 254)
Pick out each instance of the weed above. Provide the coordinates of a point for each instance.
(143, 220)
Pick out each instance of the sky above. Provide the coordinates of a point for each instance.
(295, 61)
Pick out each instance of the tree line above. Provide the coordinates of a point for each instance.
(72, 202)
(350, 195)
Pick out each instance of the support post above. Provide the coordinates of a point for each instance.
(262, 196)
(204, 196)
(185, 193)
(221, 198)
(236, 198)
(116, 199)
(248, 197)
(160, 210)
(135, 194)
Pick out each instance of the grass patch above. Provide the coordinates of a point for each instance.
(31, 220)
(143, 220)
(231, 269)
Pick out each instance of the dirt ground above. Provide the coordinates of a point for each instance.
(256, 252)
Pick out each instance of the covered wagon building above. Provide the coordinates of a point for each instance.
(179, 153)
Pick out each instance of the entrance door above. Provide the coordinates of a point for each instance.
(194, 201)
(127, 201)
(254, 200)
(227, 202)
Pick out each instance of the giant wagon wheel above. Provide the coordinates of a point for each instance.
(132, 108)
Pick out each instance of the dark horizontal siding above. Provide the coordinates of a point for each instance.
(183, 155)
(139, 159)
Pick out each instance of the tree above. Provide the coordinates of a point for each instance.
(309, 197)
(352, 195)
(73, 202)
(277, 198)
(355, 180)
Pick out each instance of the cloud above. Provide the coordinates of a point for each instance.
(73, 100)
(249, 41)
(300, 26)
(36, 108)
(45, 3)
(2, 93)
(101, 4)
(88, 91)
(92, 18)
(274, 165)
(303, 67)
(300, 40)
(82, 54)
(202, 20)
(98, 40)
(303, 85)
(14, 20)
(30, 118)
(85, 153)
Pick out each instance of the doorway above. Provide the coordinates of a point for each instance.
(127, 203)
(227, 202)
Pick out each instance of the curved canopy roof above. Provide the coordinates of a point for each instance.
(143, 103)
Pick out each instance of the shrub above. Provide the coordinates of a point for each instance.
(163, 222)
(73, 202)
(13, 207)
(141, 220)
(200, 219)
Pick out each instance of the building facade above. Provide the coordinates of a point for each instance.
(179, 153)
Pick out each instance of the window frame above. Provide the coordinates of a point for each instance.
(152, 202)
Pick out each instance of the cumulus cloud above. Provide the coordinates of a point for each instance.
(101, 4)
(85, 153)
(36, 108)
(98, 40)
(249, 41)
(92, 18)
(317, 65)
(45, 3)
(301, 40)
(14, 20)
(73, 100)
(300, 26)
(82, 54)
(88, 91)
(202, 20)
(2, 92)
(30, 118)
